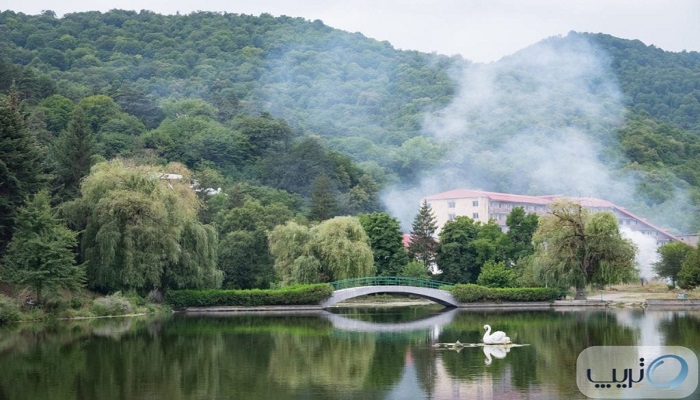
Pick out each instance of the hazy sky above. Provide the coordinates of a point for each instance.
(479, 30)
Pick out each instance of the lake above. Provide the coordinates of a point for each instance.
(351, 353)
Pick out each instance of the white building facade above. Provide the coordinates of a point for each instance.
(484, 206)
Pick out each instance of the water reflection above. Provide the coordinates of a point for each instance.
(496, 351)
(434, 323)
(322, 356)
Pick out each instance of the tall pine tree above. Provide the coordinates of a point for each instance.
(73, 154)
(323, 202)
(40, 255)
(20, 165)
(423, 244)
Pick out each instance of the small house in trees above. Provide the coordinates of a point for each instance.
(484, 206)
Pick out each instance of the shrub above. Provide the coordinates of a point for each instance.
(689, 276)
(474, 293)
(496, 275)
(291, 295)
(414, 269)
(9, 310)
(111, 305)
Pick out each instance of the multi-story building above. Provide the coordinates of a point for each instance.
(483, 206)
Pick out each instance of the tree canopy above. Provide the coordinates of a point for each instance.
(141, 229)
(40, 255)
(423, 246)
(333, 250)
(575, 247)
(672, 256)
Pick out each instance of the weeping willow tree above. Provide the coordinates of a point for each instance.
(335, 249)
(576, 247)
(141, 230)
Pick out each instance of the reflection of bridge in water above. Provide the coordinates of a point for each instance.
(426, 288)
(434, 322)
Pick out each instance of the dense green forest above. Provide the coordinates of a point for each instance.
(298, 123)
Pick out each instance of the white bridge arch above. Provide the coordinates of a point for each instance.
(439, 296)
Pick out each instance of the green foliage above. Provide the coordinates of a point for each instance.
(338, 247)
(689, 275)
(456, 256)
(98, 110)
(414, 269)
(73, 154)
(521, 228)
(465, 246)
(20, 166)
(9, 310)
(655, 81)
(266, 135)
(192, 138)
(58, 110)
(111, 305)
(291, 295)
(244, 255)
(342, 247)
(496, 275)
(323, 202)
(672, 256)
(386, 241)
(245, 260)
(578, 248)
(423, 244)
(335, 184)
(40, 255)
(471, 293)
(141, 231)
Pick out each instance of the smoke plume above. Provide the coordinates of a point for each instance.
(539, 122)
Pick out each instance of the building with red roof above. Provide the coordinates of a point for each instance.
(484, 206)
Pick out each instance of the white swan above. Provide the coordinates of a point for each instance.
(497, 351)
(498, 337)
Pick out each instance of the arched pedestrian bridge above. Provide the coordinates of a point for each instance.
(426, 288)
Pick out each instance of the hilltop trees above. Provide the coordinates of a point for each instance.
(577, 248)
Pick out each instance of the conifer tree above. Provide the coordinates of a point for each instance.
(40, 254)
(323, 201)
(423, 244)
(73, 154)
(20, 165)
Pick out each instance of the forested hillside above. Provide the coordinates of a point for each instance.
(298, 122)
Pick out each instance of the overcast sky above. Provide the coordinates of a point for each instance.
(479, 30)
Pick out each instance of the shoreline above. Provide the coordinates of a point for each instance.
(559, 305)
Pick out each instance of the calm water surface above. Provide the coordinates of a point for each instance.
(348, 354)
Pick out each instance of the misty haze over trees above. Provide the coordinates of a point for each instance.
(299, 123)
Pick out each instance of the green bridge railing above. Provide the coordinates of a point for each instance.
(388, 281)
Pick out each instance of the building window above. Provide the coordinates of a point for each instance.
(475, 215)
(450, 217)
(475, 203)
(451, 204)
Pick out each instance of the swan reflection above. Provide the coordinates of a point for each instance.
(496, 351)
